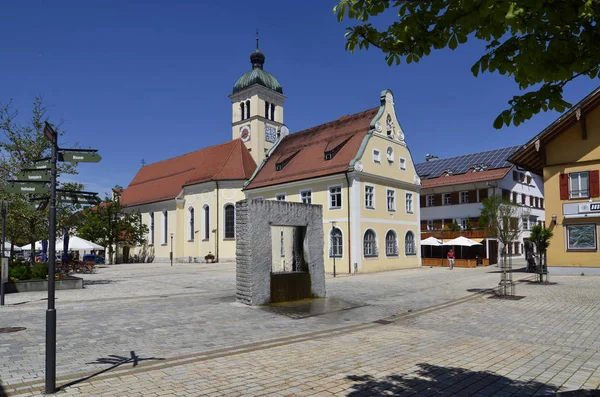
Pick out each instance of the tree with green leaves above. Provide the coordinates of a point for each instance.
(540, 44)
(541, 236)
(109, 225)
(500, 218)
(23, 143)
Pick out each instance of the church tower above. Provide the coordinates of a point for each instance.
(257, 108)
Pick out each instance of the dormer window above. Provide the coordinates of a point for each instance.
(330, 153)
(281, 164)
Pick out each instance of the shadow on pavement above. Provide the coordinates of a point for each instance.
(515, 270)
(114, 361)
(432, 379)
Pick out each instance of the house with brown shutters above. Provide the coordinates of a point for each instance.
(454, 188)
(567, 154)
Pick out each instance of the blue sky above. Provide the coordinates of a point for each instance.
(150, 79)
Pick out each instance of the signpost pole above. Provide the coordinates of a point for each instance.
(4, 278)
(51, 312)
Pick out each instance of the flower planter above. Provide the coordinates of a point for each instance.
(42, 285)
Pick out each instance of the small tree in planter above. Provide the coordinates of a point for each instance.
(540, 236)
(210, 257)
(501, 220)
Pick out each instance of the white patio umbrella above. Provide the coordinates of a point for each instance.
(7, 247)
(38, 246)
(433, 242)
(77, 243)
(462, 242)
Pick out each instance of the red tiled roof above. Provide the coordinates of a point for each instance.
(469, 177)
(307, 149)
(165, 179)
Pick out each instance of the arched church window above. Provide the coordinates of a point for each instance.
(248, 109)
(242, 105)
(229, 221)
(267, 110)
(273, 112)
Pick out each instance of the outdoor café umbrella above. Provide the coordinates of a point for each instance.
(433, 242)
(462, 242)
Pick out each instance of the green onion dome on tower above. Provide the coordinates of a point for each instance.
(257, 75)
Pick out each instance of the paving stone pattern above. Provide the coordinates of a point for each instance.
(545, 343)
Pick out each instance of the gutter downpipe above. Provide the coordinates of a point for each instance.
(349, 228)
(217, 229)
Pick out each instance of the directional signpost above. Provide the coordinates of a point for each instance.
(34, 175)
(35, 181)
(28, 187)
(79, 157)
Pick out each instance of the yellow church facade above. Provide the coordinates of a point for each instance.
(358, 168)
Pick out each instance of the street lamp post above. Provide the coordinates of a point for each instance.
(171, 249)
(3, 212)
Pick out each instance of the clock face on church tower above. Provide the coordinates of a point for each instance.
(270, 134)
(245, 133)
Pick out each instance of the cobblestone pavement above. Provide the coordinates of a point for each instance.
(193, 343)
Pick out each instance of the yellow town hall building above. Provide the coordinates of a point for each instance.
(358, 168)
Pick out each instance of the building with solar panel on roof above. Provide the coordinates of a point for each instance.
(452, 193)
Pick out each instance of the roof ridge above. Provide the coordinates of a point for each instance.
(192, 152)
(162, 177)
(344, 118)
(236, 142)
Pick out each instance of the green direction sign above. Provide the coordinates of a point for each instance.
(78, 199)
(44, 165)
(37, 206)
(37, 176)
(29, 188)
(80, 157)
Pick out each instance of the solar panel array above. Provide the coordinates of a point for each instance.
(492, 159)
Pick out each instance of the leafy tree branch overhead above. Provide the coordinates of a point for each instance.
(541, 44)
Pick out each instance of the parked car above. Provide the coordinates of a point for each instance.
(93, 258)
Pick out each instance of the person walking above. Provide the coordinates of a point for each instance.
(451, 258)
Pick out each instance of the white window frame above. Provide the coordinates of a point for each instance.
(526, 223)
(387, 199)
(225, 221)
(463, 223)
(446, 195)
(397, 253)
(410, 209)
(430, 225)
(571, 195)
(206, 223)
(278, 195)
(330, 251)
(461, 195)
(376, 156)
(303, 191)
(375, 254)
(341, 206)
(372, 207)
(402, 163)
(414, 243)
(151, 228)
(190, 219)
(432, 197)
(164, 234)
